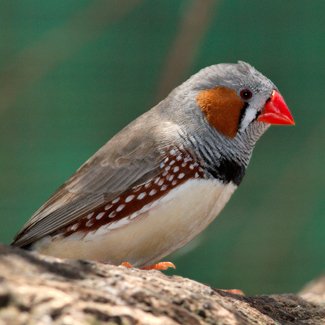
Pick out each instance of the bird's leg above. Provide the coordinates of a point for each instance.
(161, 266)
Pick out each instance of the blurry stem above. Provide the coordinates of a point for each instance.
(192, 28)
(57, 45)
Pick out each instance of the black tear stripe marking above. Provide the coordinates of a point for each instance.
(227, 171)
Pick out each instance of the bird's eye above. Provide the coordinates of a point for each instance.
(246, 94)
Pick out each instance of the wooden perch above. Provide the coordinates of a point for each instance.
(43, 290)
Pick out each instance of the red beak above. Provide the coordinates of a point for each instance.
(276, 111)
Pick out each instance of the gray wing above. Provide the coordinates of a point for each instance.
(130, 158)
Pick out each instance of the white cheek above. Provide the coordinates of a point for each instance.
(249, 116)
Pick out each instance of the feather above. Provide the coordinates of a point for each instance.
(123, 162)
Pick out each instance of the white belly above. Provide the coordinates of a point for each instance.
(169, 224)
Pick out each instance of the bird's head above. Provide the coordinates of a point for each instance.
(236, 99)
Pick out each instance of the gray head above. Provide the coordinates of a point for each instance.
(231, 103)
(231, 96)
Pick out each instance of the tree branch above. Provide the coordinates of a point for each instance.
(45, 290)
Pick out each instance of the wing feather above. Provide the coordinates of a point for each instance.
(128, 159)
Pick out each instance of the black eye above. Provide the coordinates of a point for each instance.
(246, 94)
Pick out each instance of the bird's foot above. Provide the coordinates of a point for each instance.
(162, 266)
(126, 264)
(234, 291)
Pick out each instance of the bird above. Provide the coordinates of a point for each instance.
(161, 180)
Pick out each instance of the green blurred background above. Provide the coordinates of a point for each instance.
(73, 73)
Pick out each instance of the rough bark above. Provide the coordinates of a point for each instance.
(43, 290)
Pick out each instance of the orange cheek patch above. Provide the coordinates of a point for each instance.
(222, 108)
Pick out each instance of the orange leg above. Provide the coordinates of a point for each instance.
(162, 266)
(127, 264)
(234, 291)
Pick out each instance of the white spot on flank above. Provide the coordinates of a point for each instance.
(162, 165)
(89, 223)
(191, 166)
(164, 173)
(157, 180)
(176, 169)
(172, 163)
(163, 188)
(120, 207)
(152, 192)
(170, 178)
(112, 214)
(147, 185)
(166, 159)
(174, 182)
(181, 175)
(184, 164)
(187, 159)
(196, 175)
(100, 215)
(173, 152)
(167, 168)
(129, 198)
(89, 216)
(179, 158)
(108, 206)
(116, 200)
(74, 227)
(161, 182)
(141, 195)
